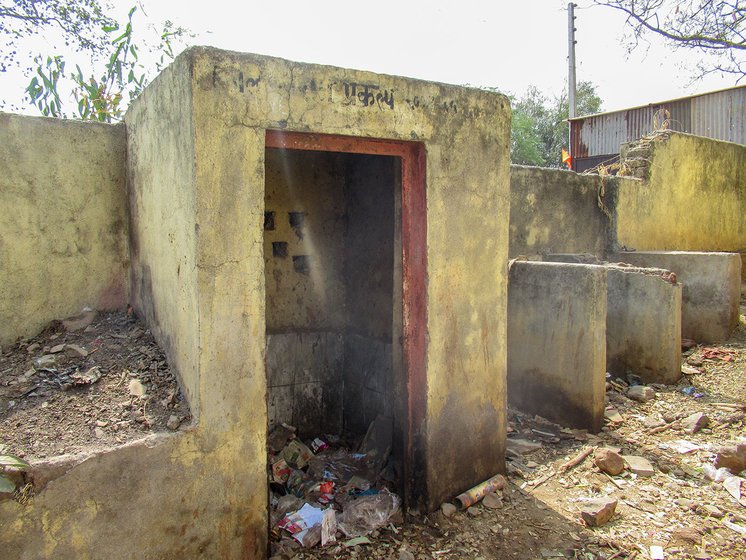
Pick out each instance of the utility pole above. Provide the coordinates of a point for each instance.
(571, 84)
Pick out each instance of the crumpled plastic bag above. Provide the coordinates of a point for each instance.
(368, 513)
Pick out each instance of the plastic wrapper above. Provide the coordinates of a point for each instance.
(340, 466)
(368, 513)
(297, 454)
(304, 525)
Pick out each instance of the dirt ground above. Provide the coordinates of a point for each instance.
(55, 405)
(677, 508)
(51, 410)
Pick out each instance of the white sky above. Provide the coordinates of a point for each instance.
(504, 44)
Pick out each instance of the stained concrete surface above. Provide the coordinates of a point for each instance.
(196, 179)
(63, 228)
(643, 319)
(711, 288)
(557, 341)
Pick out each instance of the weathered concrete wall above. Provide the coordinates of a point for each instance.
(694, 198)
(308, 187)
(711, 289)
(304, 381)
(197, 177)
(556, 211)
(164, 489)
(163, 222)
(643, 319)
(465, 133)
(643, 324)
(369, 274)
(557, 341)
(63, 240)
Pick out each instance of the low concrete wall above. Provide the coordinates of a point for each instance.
(159, 498)
(553, 211)
(693, 197)
(643, 324)
(557, 341)
(63, 228)
(711, 289)
(643, 319)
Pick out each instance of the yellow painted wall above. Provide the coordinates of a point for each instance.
(197, 163)
(63, 241)
(694, 198)
(163, 224)
(311, 183)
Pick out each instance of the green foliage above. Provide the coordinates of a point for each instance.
(540, 129)
(7, 484)
(104, 97)
(80, 23)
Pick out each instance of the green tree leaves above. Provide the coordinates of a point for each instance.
(540, 129)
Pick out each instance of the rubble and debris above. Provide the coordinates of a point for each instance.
(598, 512)
(315, 495)
(639, 465)
(732, 457)
(641, 393)
(609, 461)
(473, 495)
(77, 399)
(695, 422)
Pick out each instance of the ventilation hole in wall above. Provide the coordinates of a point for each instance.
(296, 219)
(269, 221)
(301, 264)
(279, 249)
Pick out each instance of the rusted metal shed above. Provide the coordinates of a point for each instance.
(721, 115)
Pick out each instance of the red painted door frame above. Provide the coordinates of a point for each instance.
(414, 272)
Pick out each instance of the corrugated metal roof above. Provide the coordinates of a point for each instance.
(720, 115)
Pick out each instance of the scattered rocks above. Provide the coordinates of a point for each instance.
(712, 511)
(613, 416)
(732, 457)
(639, 465)
(136, 388)
(492, 501)
(653, 422)
(75, 351)
(57, 349)
(45, 361)
(473, 511)
(609, 461)
(173, 422)
(641, 393)
(688, 535)
(448, 509)
(79, 322)
(598, 512)
(695, 422)
(522, 446)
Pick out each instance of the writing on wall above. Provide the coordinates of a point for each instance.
(368, 95)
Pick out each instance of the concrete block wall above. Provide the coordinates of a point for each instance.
(711, 288)
(556, 211)
(643, 319)
(63, 228)
(557, 341)
(693, 199)
(197, 182)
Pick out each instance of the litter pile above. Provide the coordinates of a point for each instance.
(323, 489)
